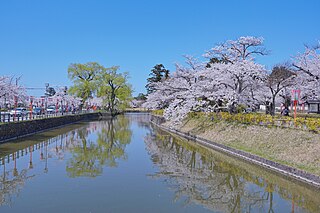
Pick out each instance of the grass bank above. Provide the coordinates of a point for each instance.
(292, 147)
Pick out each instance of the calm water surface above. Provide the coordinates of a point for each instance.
(128, 165)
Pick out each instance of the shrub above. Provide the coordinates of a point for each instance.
(312, 124)
(158, 112)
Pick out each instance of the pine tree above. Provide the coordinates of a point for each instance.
(158, 73)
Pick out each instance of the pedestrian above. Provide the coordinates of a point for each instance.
(285, 111)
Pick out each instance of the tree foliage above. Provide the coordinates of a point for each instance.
(107, 83)
(50, 91)
(83, 77)
(158, 74)
(280, 79)
(232, 78)
(113, 88)
(243, 48)
(11, 91)
(308, 65)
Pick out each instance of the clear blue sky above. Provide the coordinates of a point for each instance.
(40, 38)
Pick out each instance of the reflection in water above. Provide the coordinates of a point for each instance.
(221, 183)
(89, 157)
(11, 182)
(50, 163)
(11, 179)
(89, 154)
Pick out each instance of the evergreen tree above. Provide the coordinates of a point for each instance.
(158, 74)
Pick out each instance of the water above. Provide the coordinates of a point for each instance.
(128, 165)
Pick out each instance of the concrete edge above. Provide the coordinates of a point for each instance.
(100, 116)
(285, 170)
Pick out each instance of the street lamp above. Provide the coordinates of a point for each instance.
(46, 93)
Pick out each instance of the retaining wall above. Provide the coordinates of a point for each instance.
(297, 174)
(10, 131)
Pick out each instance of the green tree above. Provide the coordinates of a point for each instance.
(141, 97)
(83, 77)
(114, 89)
(158, 73)
(50, 91)
(215, 60)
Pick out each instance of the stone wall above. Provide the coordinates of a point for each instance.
(11, 131)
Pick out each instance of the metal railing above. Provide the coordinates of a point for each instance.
(6, 117)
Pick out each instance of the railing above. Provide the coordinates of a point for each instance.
(6, 117)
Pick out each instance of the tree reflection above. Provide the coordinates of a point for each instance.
(198, 175)
(113, 140)
(89, 156)
(11, 182)
(92, 146)
(84, 158)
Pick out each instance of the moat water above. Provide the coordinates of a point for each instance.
(128, 165)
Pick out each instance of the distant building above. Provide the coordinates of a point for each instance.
(313, 106)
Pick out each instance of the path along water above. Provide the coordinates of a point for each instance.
(128, 165)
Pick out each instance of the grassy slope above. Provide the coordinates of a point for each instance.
(300, 149)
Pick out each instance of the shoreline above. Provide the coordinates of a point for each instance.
(12, 131)
(282, 169)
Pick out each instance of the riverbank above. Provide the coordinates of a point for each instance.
(11, 131)
(293, 151)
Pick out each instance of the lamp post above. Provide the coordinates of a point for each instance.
(46, 93)
(65, 89)
(31, 106)
(61, 105)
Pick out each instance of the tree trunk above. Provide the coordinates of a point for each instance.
(273, 106)
(113, 98)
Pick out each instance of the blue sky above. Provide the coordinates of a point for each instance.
(39, 39)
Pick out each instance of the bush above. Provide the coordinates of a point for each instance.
(158, 112)
(312, 124)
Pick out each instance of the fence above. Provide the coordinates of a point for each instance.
(6, 117)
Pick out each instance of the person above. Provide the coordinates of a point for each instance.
(285, 111)
(267, 107)
(248, 109)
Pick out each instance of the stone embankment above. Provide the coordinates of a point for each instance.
(10, 131)
(285, 170)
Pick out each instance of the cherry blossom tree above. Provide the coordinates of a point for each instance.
(244, 48)
(239, 82)
(235, 74)
(11, 92)
(4, 89)
(278, 81)
(308, 65)
(233, 77)
(178, 94)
